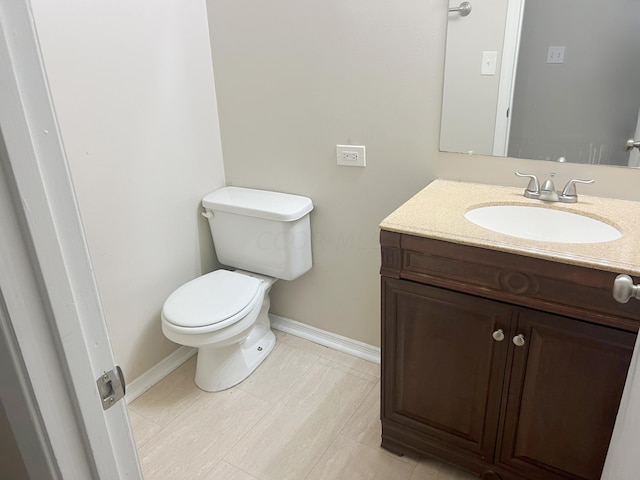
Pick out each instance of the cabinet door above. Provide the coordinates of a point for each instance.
(565, 387)
(442, 369)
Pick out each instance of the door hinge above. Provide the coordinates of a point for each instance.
(111, 387)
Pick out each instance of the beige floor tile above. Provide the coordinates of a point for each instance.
(286, 443)
(324, 423)
(425, 471)
(364, 425)
(190, 446)
(300, 343)
(143, 428)
(225, 471)
(447, 472)
(350, 361)
(171, 396)
(431, 469)
(357, 372)
(348, 459)
(331, 355)
(284, 366)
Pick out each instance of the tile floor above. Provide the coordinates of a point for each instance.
(307, 413)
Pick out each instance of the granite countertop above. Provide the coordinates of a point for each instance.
(438, 211)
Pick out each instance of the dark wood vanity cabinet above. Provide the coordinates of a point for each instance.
(511, 367)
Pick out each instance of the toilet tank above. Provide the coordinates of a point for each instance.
(260, 231)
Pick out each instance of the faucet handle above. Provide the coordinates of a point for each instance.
(569, 194)
(533, 188)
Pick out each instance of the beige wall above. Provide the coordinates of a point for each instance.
(294, 79)
(132, 84)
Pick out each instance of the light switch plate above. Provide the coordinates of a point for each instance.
(489, 63)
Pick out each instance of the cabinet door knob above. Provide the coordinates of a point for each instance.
(498, 335)
(624, 289)
(518, 340)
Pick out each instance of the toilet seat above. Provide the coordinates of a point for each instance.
(211, 302)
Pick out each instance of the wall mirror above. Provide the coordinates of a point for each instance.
(542, 79)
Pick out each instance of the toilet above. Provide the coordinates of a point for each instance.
(261, 236)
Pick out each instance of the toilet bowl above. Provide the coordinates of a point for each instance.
(225, 315)
(265, 236)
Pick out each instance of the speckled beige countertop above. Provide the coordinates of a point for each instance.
(438, 211)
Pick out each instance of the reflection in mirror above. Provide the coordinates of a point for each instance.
(542, 79)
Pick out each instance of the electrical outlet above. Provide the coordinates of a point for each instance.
(555, 55)
(351, 155)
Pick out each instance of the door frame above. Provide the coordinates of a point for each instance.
(508, 67)
(634, 154)
(52, 329)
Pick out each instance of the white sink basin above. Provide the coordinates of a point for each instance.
(542, 224)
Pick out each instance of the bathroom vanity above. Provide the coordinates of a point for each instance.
(504, 356)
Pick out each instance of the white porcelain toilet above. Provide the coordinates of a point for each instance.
(264, 235)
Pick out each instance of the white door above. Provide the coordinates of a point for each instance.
(510, 47)
(53, 339)
(623, 461)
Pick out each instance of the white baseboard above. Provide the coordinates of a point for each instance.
(327, 339)
(156, 373)
(332, 340)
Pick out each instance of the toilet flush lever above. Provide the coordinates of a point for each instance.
(207, 214)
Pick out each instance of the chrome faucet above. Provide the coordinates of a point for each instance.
(548, 192)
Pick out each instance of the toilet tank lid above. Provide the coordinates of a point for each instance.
(283, 207)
